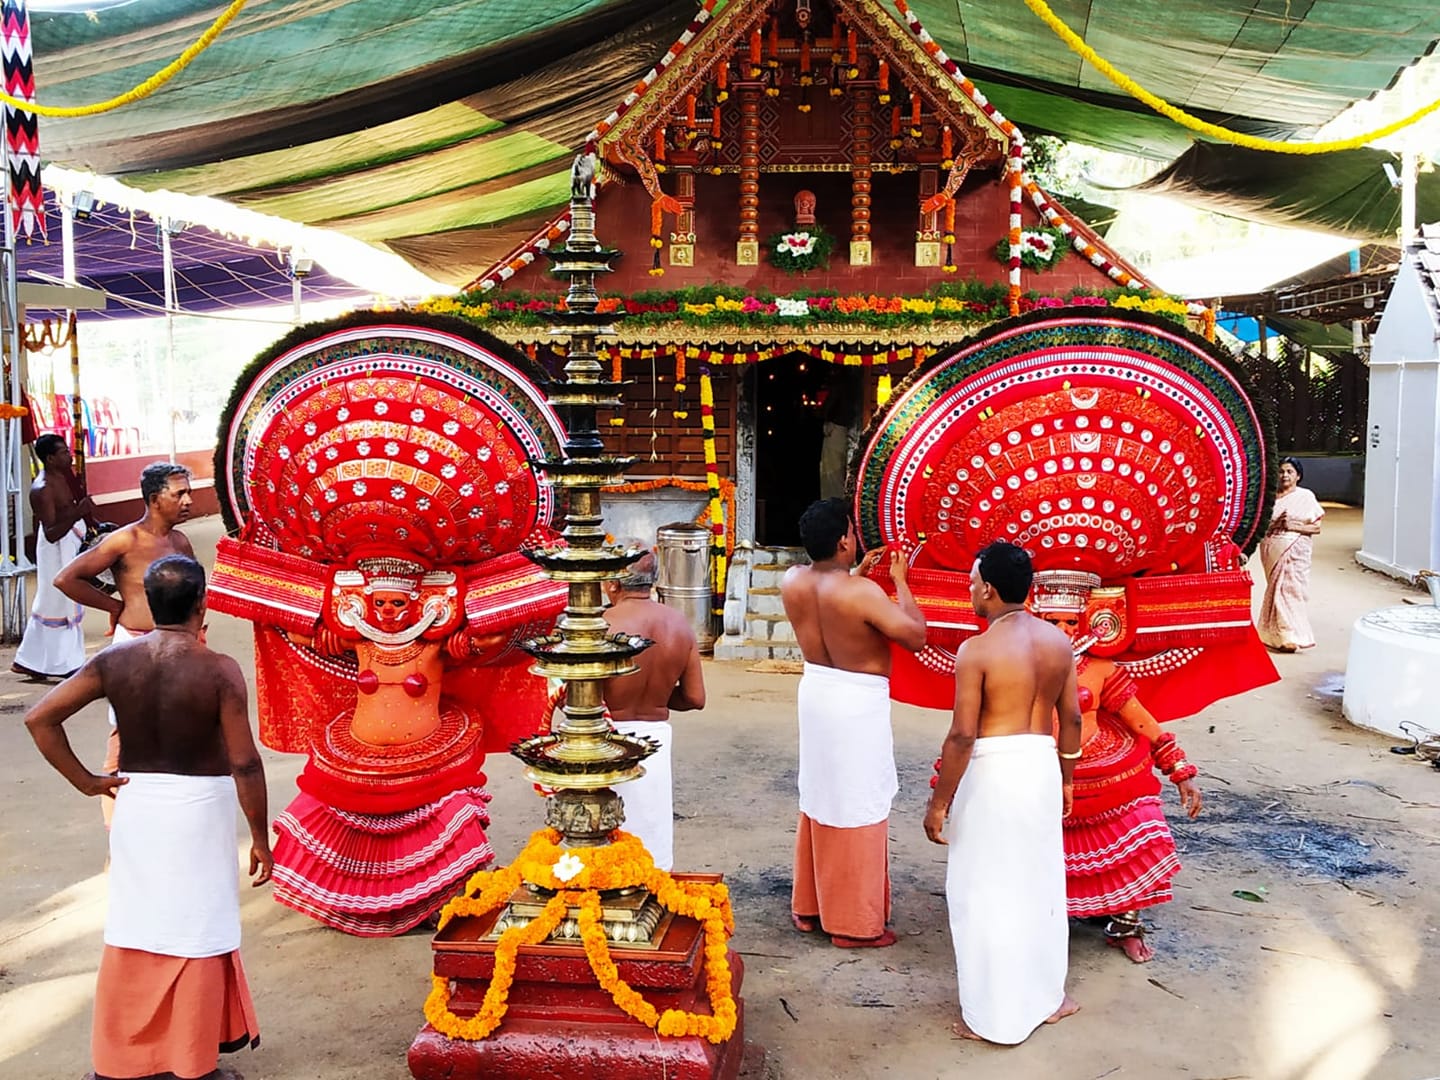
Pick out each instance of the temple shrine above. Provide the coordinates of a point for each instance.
(828, 201)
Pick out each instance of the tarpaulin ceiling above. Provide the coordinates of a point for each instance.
(121, 253)
(1348, 193)
(442, 129)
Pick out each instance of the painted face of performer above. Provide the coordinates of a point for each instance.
(1288, 477)
(1067, 621)
(390, 609)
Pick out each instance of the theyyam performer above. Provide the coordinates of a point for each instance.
(375, 477)
(1125, 455)
(1119, 853)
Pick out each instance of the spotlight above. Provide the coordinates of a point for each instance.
(82, 205)
(301, 265)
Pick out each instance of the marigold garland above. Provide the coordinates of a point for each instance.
(718, 535)
(1194, 123)
(12, 412)
(144, 89)
(623, 863)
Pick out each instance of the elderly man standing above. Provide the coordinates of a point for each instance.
(127, 553)
(845, 624)
(171, 995)
(669, 680)
(1011, 782)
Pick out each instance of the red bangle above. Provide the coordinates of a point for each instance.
(1184, 771)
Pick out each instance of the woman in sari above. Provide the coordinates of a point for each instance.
(1285, 553)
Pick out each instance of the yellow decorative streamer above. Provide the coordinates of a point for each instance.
(1194, 123)
(712, 480)
(146, 88)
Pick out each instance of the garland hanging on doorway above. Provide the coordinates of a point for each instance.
(712, 481)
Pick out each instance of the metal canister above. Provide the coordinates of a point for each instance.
(682, 580)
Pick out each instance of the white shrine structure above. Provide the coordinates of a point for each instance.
(1395, 651)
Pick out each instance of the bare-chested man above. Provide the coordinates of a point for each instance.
(54, 643)
(171, 993)
(844, 624)
(127, 553)
(1006, 877)
(669, 680)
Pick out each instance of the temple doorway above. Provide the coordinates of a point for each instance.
(806, 412)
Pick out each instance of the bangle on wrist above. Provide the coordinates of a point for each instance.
(1075, 756)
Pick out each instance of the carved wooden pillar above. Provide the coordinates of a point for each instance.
(927, 236)
(682, 240)
(862, 142)
(747, 248)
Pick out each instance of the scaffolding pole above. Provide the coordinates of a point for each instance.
(13, 564)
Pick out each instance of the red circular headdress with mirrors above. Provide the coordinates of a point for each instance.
(1118, 445)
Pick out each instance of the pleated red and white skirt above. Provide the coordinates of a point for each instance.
(1119, 851)
(376, 875)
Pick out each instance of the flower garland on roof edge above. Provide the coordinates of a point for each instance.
(967, 303)
(577, 878)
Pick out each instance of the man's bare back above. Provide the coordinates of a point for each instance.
(128, 553)
(846, 621)
(1021, 665)
(170, 694)
(669, 677)
(1013, 679)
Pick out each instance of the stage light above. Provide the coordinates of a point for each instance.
(82, 205)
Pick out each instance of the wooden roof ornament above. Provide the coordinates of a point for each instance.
(713, 102)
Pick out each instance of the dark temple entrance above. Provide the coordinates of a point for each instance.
(805, 410)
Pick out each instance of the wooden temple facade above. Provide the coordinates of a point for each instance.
(839, 121)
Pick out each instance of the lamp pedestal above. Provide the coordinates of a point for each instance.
(560, 1024)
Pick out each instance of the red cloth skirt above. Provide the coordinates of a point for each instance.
(1119, 853)
(375, 875)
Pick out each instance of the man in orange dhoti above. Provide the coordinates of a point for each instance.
(844, 624)
(171, 995)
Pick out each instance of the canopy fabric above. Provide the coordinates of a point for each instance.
(1350, 194)
(441, 128)
(120, 252)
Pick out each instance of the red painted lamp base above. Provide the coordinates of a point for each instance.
(560, 1024)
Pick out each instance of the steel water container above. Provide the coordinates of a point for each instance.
(682, 579)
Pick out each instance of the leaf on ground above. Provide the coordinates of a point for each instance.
(1246, 894)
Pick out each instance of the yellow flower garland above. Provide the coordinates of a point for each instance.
(1194, 123)
(146, 88)
(623, 863)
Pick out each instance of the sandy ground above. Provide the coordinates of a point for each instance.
(1332, 976)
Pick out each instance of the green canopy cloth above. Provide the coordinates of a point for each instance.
(443, 129)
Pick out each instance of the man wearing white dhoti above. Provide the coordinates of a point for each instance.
(844, 625)
(669, 680)
(1005, 882)
(171, 995)
(54, 642)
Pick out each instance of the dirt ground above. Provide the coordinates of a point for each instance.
(1331, 977)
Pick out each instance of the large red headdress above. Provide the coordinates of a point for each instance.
(1108, 443)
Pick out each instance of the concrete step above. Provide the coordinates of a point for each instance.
(767, 577)
(780, 556)
(774, 629)
(765, 602)
(735, 647)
